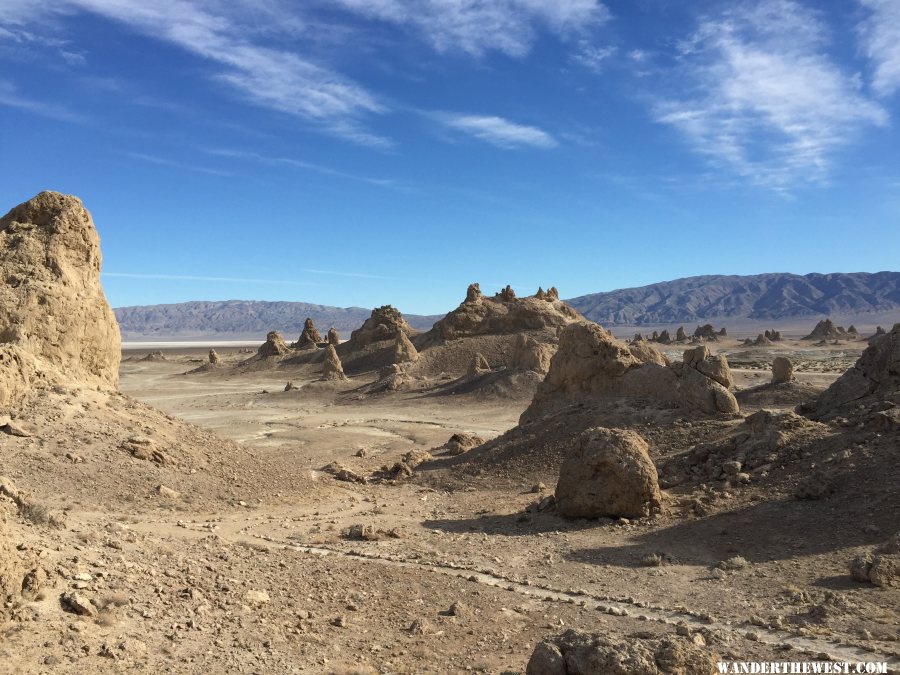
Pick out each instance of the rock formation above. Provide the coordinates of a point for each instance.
(761, 340)
(473, 293)
(507, 294)
(529, 354)
(638, 337)
(478, 366)
(385, 323)
(334, 338)
(577, 653)
(706, 332)
(213, 357)
(502, 314)
(873, 381)
(273, 346)
(680, 335)
(56, 326)
(404, 350)
(773, 335)
(782, 370)
(878, 332)
(309, 338)
(592, 366)
(331, 365)
(827, 330)
(609, 473)
(662, 338)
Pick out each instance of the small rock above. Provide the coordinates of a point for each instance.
(168, 492)
(77, 604)
(256, 597)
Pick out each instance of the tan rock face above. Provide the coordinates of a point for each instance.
(334, 338)
(56, 325)
(385, 324)
(213, 356)
(782, 370)
(609, 473)
(404, 350)
(310, 337)
(503, 314)
(332, 369)
(273, 346)
(592, 365)
(529, 354)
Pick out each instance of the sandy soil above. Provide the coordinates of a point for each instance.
(264, 573)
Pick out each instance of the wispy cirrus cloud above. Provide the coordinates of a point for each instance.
(480, 26)
(763, 98)
(498, 131)
(300, 164)
(880, 36)
(11, 97)
(191, 277)
(275, 78)
(164, 161)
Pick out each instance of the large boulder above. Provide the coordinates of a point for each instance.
(56, 326)
(273, 346)
(309, 338)
(385, 323)
(714, 367)
(874, 379)
(592, 366)
(578, 653)
(608, 473)
(334, 338)
(503, 313)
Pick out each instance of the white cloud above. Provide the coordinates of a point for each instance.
(880, 36)
(274, 78)
(591, 57)
(499, 131)
(480, 26)
(763, 98)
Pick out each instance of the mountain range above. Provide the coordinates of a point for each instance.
(760, 297)
(740, 300)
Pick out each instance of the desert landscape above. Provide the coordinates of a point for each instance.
(512, 490)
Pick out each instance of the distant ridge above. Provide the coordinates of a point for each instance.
(775, 298)
(760, 297)
(249, 319)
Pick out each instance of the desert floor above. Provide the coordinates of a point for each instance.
(460, 574)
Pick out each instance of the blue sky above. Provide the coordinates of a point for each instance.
(362, 152)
